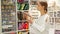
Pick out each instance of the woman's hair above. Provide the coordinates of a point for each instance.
(45, 5)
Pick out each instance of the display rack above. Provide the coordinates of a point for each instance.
(8, 15)
(22, 12)
(14, 16)
(54, 16)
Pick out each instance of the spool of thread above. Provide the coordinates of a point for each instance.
(20, 1)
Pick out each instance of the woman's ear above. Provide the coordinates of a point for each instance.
(45, 11)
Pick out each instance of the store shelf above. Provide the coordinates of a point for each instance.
(7, 5)
(6, 26)
(10, 32)
(22, 20)
(24, 30)
(22, 10)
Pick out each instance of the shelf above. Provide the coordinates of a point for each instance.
(22, 20)
(8, 9)
(22, 10)
(24, 30)
(9, 32)
(6, 5)
(7, 26)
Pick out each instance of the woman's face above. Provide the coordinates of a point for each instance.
(39, 6)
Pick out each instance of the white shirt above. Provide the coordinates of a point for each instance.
(39, 25)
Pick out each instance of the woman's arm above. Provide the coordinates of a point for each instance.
(38, 27)
(42, 27)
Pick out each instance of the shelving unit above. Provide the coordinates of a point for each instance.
(54, 14)
(8, 13)
(14, 20)
(22, 12)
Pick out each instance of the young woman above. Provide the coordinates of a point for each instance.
(39, 26)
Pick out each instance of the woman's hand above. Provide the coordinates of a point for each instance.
(29, 18)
